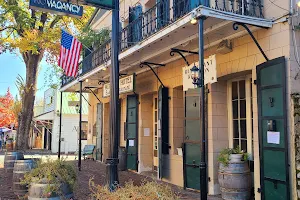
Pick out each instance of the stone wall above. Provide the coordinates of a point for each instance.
(296, 106)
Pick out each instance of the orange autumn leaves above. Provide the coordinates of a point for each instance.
(7, 115)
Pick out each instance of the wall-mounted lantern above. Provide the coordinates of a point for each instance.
(195, 75)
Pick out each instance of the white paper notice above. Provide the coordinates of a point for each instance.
(131, 143)
(146, 131)
(273, 137)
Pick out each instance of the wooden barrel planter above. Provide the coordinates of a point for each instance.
(10, 158)
(21, 167)
(39, 191)
(235, 181)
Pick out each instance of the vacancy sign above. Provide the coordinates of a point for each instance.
(210, 73)
(126, 84)
(57, 7)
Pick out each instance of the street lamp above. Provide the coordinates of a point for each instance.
(198, 79)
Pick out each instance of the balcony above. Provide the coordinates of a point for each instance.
(157, 18)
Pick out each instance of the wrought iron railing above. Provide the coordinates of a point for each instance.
(66, 79)
(159, 16)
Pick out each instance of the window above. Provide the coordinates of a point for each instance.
(240, 109)
(84, 130)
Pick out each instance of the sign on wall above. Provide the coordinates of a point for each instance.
(57, 7)
(210, 73)
(73, 103)
(126, 84)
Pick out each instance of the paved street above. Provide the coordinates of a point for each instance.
(90, 169)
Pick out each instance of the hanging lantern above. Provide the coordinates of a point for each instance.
(195, 75)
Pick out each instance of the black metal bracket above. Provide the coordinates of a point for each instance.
(180, 52)
(102, 82)
(121, 75)
(148, 64)
(83, 97)
(236, 26)
(86, 100)
(90, 89)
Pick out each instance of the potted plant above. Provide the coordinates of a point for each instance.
(232, 155)
(51, 179)
(234, 174)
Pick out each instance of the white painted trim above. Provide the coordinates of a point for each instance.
(248, 112)
(210, 12)
(229, 106)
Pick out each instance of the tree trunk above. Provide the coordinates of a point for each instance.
(32, 62)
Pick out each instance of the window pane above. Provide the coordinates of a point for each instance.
(244, 145)
(243, 129)
(155, 117)
(235, 143)
(234, 91)
(242, 89)
(155, 103)
(155, 131)
(236, 129)
(235, 109)
(242, 108)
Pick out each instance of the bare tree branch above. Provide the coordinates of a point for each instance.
(7, 27)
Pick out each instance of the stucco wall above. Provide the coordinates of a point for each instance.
(275, 42)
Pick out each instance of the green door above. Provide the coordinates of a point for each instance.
(271, 93)
(191, 148)
(99, 126)
(131, 131)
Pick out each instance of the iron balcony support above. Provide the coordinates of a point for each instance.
(180, 52)
(112, 161)
(80, 126)
(148, 64)
(236, 26)
(84, 96)
(85, 99)
(203, 163)
(60, 121)
(100, 82)
(90, 89)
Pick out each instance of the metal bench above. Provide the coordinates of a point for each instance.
(88, 150)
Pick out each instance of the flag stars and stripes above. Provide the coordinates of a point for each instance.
(69, 54)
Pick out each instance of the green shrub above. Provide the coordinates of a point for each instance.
(53, 173)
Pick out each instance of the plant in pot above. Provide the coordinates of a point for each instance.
(51, 179)
(234, 174)
(232, 155)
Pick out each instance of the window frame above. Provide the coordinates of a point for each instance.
(249, 119)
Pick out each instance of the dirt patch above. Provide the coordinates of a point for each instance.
(97, 171)
(6, 185)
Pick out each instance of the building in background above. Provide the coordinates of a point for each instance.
(45, 126)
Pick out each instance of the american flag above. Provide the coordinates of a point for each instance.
(69, 54)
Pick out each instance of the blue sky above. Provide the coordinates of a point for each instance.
(11, 65)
